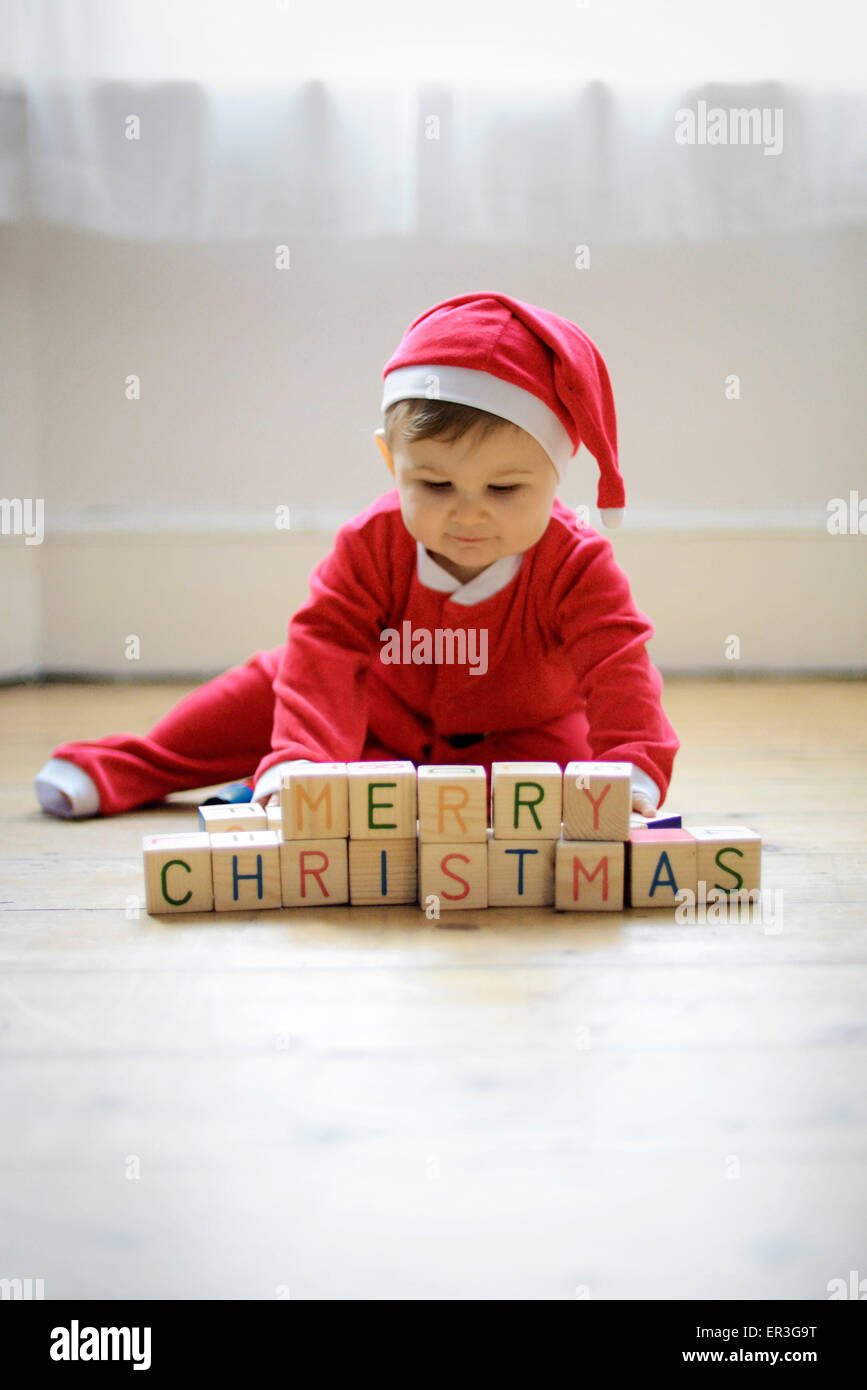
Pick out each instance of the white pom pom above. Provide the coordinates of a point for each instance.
(612, 516)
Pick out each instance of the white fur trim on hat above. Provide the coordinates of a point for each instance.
(466, 386)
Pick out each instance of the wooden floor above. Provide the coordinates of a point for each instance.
(360, 1103)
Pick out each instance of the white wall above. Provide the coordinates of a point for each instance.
(262, 388)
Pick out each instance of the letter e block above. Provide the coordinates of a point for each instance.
(728, 857)
(661, 862)
(382, 800)
(589, 875)
(383, 871)
(177, 870)
(246, 870)
(452, 803)
(456, 873)
(597, 801)
(527, 800)
(314, 801)
(314, 873)
(520, 873)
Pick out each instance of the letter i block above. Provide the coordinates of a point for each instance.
(177, 870)
(597, 801)
(219, 820)
(314, 873)
(383, 871)
(728, 857)
(452, 803)
(314, 802)
(520, 874)
(589, 875)
(382, 801)
(457, 874)
(661, 863)
(527, 800)
(246, 870)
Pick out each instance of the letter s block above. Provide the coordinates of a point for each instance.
(456, 873)
(597, 801)
(177, 870)
(729, 857)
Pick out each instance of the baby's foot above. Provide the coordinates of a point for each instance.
(66, 790)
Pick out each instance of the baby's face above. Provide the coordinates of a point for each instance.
(476, 500)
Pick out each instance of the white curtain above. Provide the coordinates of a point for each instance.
(553, 123)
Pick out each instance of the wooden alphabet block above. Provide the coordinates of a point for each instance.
(244, 815)
(177, 871)
(661, 863)
(274, 816)
(452, 803)
(520, 872)
(246, 867)
(589, 875)
(314, 802)
(382, 800)
(527, 800)
(728, 857)
(383, 871)
(314, 873)
(457, 874)
(597, 801)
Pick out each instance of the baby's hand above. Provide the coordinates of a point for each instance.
(643, 806)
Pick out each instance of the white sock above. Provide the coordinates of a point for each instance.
(64, 789)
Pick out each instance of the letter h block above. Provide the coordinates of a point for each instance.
(246, 870)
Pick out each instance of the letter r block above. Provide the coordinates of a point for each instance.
(589, 875)
(452, 803)
(314, 873)
(246, 870)
(177, 870)
(597, 801)
(527, 800)
(382, 800)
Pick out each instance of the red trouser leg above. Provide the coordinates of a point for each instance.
(217, 733)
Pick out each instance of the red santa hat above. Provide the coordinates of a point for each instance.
(522, 363)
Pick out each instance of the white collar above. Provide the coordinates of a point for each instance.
(490, 581)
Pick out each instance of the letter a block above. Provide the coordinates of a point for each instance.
(219, 820)
(527, 800)
(452, 803)
(383, 871)
(520, 874)
(589, 875)
(661, 863)
(382, 801)
(597, 801)
(246, 870)
(314, 873)
(314, 801)
(177, 870)
(728, 857)
(457, 874)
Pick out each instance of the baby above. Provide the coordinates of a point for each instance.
(466, 616)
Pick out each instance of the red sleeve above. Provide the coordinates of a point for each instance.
(598, 622)
(321, 706)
